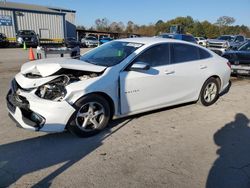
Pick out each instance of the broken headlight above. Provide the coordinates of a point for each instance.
(54, 90)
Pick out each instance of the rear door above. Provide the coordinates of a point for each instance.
(191, 69)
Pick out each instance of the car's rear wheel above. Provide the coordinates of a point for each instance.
(92, 116)
(209, 92)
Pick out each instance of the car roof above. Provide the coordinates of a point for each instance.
(229, 35)
(151, 40)
(176, 34)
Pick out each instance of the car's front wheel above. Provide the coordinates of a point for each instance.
(92, 116)
(209, 92)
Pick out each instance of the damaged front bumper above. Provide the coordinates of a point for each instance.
(34, 113)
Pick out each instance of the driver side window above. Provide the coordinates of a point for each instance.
(240, 39)
(246, 47)
(155, 56)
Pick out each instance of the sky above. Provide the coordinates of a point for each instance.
(150, 11)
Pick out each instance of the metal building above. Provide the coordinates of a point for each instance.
(51, 24)
(70, 16)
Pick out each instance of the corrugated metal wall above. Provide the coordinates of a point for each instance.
(51, 24)
(9, 31)
(39, 21)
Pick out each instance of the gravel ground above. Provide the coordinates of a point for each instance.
(186, 146)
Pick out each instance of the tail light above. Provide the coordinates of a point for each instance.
(229, 64)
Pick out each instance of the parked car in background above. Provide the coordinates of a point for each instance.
(225, 42)
(118, 79)
(102, 36)
(28, 36)
(4, 42)
(89, 41)
(133, 36)
(104, 40)
(71, 42)
(201, 41)
(185, 37)
(239, 59)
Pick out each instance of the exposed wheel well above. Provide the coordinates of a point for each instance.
(110, 101)
(218, 80)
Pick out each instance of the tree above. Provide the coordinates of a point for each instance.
(80, 27)
(225, 21)
(159, 22)
(102, 24)
(197, 29)
(117, 27)
(146, 30)
(211, 30)
(160, 27)
(130, 27)
(185, 22)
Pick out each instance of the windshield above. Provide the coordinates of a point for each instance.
(245, 47)
(166, 36)
(228, 38)
(26, 33)
(2, 35)
(111, 53)
(91, 38)
(106, 38)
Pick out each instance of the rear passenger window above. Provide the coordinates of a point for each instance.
(204, 54)
(155, 56)
(184, 52)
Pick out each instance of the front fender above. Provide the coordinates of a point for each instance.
(94, 85)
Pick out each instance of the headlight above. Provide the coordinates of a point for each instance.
(225, 45)
(54, 90)
(20, 40)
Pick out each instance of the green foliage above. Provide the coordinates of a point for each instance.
(225, 21)
(191, 26)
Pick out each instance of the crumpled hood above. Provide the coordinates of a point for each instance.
(47, 67)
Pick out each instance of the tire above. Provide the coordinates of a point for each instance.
(92, 116)
(209, 92)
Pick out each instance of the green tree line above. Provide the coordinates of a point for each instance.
(224, 25)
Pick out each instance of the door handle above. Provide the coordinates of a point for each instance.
(203, 66)
(169, 72)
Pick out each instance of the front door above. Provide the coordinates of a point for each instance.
(143, 89)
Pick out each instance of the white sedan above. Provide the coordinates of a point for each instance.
(117, 79)
(201, 41)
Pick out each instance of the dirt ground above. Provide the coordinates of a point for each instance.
(189, 146)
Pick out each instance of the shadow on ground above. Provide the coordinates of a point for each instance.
(232, 168)
(22, 157)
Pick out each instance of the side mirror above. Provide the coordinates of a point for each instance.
(139, 66)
